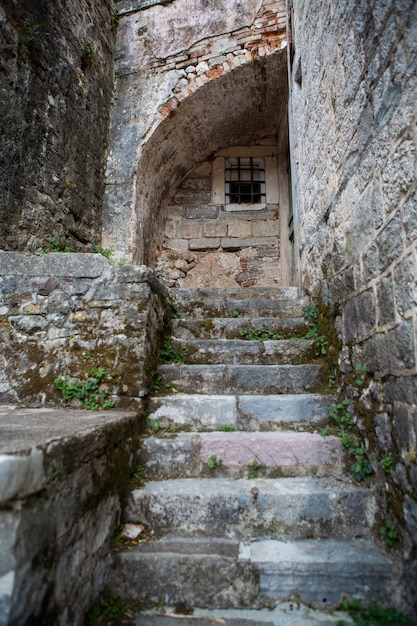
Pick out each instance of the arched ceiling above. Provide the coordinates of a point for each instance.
(237, 108)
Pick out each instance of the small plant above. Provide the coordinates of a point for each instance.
(361, 468)
(226, 428)
(213, 463)
(89, 51)
(157, 425)
(139, 473)
(233, 314)
(388, 532)
(256, 468)
(103, 251)
(320, 342)
(386, 463)
(373, 615)
(159, 605)
(110, 608)
(89, 392)
(169, 355)
(33, 31)
(360, 372)
(332, 381)
(53, 245)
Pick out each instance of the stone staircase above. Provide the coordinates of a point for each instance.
(248, 510)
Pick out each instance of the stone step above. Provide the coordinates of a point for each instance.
(231, 328)
(284, 614)
(244, 352)
(246, 412)
(251, 301)
(239, 509)
(280, 453)
(220, 573)
(241, 379)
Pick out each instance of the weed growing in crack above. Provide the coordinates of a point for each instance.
(90, 392)
(213, 463)
(256, 468)
(361, 467)
(386, 463)
(226, 428)
(388, 532)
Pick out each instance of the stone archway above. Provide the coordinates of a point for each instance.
(244, 107)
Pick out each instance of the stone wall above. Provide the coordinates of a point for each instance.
(63, 478)
(354, 113)
(65, 314)
(205, 245)
(56, 84)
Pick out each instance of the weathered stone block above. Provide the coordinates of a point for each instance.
(405, 285)
(190, 229)
(398, 174)
(201, 212)
(401, 350)
(207, 243)
(359, 316)
(270, 228)
(214, 228)
(239, 229)
(385, 298)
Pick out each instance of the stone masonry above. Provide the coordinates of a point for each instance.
(56, 83)
(354, 114)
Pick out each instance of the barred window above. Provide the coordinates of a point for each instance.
(244, 180)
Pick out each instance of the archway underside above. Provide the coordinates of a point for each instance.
(182, 220)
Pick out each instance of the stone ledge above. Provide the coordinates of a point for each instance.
(30, 440)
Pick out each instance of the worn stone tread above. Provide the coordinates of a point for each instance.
(298, 507)
(253, 301)
(284, 614)
(289, 453)
(320, 572)
(244, 412)
(230, 328)
(242, 379)
(245, 352)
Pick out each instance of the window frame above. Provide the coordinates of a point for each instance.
(268, 153)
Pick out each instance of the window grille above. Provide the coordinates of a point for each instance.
(245, 180)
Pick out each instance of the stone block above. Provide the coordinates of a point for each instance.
(214, 228)
(240, 229)
(410, 514)
(359, 316)
(389, 242)
(410, 217)
(398, 174)
(385, 299)
(267, 228)
(405, 285)
(383, 431)
(402, 426)
(201, 212)
(252, 242)
(190, 229)
(207, 243)
(400, 341)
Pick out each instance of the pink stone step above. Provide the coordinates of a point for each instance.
(271, 449)
(280, 453)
